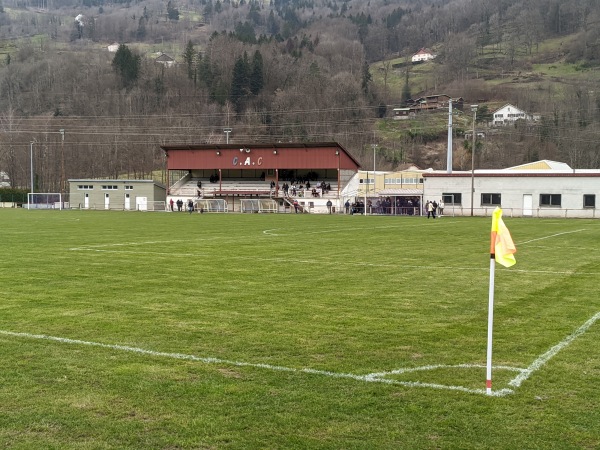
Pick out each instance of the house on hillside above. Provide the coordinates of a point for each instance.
(165, 60)
(4, 180)
(402, 113)
(113, 47)
(509, 114)
(422, 55)
(434, 101)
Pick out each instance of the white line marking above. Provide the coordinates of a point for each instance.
(551, 236)
(543, 359)
(370, 378)
(377, 377)
(334, 263)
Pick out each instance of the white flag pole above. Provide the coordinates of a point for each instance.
(488, 383)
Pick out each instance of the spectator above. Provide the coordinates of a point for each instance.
(179, 205)
(441, 208)
(190, 206)
(430, 209)
(347, 206)
(329, 205)
(171, 202)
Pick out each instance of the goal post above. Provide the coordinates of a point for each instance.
(45, 200)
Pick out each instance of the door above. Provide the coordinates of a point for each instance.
(527, 205)
(86, 201)
(106, 201)
(127, 202)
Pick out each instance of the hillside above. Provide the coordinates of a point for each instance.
(289, 70)
(540, 82)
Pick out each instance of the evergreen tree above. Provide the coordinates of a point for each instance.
(189, 59)
(205, 73)
(127, 65)
(172, 12)
(141, 30)
(366, 78)
(240, 83)
(256, 76)
(272, 25)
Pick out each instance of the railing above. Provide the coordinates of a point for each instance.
(549, 212)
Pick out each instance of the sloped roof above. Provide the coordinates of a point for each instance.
(544, 164)
(508, 104)
(164, 58)
(423, 51)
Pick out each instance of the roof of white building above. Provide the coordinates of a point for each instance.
(543, 167)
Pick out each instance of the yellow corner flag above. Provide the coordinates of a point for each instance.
(502, 246)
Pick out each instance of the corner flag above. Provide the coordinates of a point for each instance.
(502, 251)
(502, 246)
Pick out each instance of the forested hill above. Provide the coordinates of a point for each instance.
(286, 70)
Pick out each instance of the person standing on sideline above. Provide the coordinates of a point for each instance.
(430, 209)
(190, 206)
(171, 202)
(347, 206)
(441, 208)
(179, 205)
(329, 205)
(296, 206)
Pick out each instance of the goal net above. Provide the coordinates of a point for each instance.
(212, 205)
(259, 206)
(152, 206)
(48, 200)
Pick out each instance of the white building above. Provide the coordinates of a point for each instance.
(422, 55)
(509, 114)
(539, 189)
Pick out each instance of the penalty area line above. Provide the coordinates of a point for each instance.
(370, 378)
(544, 358)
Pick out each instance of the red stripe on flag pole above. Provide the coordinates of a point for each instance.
(488, 384)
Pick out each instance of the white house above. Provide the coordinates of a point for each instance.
(113, 47)
(539, 189)
(4, 180)
(509, 114)
(422, 55)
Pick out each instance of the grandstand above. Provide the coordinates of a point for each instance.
(260, 178)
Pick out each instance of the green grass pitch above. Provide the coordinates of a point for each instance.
(170, 330)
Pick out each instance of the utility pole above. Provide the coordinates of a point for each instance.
(62, 162)
(474, 109)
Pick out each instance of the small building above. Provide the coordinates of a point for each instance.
(538, 189)
(125, 195)
(390, 193)
(4, 180)
(402, 113)
(422, 55)
(433, 102)
(165, 60)
(509, 114)
(113, 47)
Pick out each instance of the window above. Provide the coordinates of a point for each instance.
(109, 188)
(589, 201)
(452, 199)
(491, 199)
(129, 188)
(85, 187)
(550, 200)
(367, 181)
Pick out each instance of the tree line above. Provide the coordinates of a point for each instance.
(272, 71)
